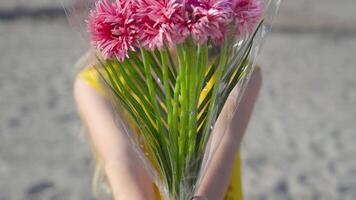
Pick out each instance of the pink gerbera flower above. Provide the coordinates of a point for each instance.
(161, 21)
(112, 28)
(247, 14)
(209, 19)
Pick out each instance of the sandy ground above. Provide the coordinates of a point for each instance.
(300, 144)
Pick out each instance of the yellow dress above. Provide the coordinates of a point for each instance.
(234, 190)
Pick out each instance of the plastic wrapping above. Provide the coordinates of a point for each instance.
(169, 100)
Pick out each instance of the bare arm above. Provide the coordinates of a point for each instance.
(218, 174)
(127, 177)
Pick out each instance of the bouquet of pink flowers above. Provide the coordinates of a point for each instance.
(170, 66)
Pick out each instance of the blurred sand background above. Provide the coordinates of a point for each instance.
(301, 143)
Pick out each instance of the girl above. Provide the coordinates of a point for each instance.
(123, 169)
